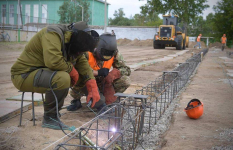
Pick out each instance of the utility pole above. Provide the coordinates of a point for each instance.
(105, 17)
(92, 12)
(20, 13)
(82, 11)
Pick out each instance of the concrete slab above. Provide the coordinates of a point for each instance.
(228, 64)
(10, 109)
(150, 62)
(229, 70)
(230, 74)
(28, 97)
(227, 59)
(172, 55)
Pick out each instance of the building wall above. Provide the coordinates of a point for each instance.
(52, 7)
(140, 33)
(98, 9)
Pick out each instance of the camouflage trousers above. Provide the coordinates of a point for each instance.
(120, 85)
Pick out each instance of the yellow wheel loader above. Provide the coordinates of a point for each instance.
(170, 35)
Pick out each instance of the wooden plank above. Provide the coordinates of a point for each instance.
(10, 109)
(28, 98)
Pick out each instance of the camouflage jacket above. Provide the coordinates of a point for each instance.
(118, 63)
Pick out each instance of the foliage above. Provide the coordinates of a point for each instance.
(148, 19)
(199, 25)
(223, 19)
(119, 19)
(187, 10)
(71, 11)
(142, 19)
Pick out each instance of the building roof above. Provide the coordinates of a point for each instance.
(102, 1)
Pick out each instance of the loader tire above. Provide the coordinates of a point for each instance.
(162, 46)
(156, 46)
(184, 42)
(179, 43)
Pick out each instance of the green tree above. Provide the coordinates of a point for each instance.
(119, 19)
(150, 19)
(185, 9)
(139, 20)
(202, 26)
(71, 11)
(223, 20)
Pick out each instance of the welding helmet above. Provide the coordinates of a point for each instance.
(107, 47)
(81, 25)
(194, 109)
(82, 39)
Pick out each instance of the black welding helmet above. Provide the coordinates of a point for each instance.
(82, 39)
(81, 25)
(107, 46)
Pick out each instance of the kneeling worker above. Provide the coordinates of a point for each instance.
(104, 57)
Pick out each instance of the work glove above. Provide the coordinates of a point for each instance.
(109, 92)
(113, 75)
(103, 72)
(74, 76)
(93, 92)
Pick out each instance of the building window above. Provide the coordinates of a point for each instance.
(4, 10)
(11, 10)
(44, 13)
(27, 14)
(3, 14)
(11, 15)
(36, 13)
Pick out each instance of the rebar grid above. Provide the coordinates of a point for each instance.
(134, 114)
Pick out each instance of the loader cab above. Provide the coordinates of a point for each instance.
(170, 20)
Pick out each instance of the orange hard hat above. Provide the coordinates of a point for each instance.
(194, 109)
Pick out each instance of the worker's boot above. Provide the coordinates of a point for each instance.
(51, 104)
(53, 122)
(75, 105)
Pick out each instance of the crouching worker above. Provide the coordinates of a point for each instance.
(104, 57)
(50, 57)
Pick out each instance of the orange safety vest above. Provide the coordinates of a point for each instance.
(198, 38)
(224, 40)
(93, 64)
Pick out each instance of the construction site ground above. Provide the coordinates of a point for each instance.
(210, 84)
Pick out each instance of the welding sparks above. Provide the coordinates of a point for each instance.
(113, 129)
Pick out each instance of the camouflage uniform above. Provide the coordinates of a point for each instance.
(120, 85)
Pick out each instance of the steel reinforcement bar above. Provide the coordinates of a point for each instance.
(130, 119)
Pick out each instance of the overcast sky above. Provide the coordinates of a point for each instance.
(132, 7)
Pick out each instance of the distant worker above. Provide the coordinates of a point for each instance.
(198, 41)
(53, 56)
(113, 33)
(223, 41)
(105, 57)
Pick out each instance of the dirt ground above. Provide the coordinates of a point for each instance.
(214, 130)
(35, 137)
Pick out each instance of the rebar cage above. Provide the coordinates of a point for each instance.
(129, 120)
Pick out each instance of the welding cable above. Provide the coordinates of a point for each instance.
(113, 105)
(50, 86)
